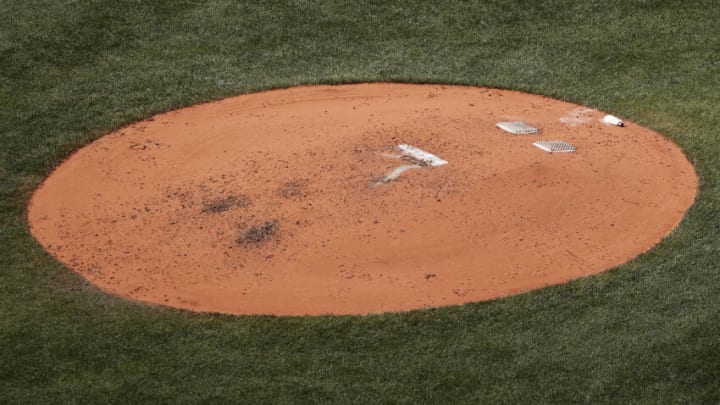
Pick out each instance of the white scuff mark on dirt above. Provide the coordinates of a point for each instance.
(578, 116)
(395, 173)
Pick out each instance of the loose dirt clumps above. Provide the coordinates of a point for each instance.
(222, 204)
(301, 201)
(257, 234)
(293, 189)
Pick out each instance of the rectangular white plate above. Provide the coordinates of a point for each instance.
(555, 146)
(517, 128)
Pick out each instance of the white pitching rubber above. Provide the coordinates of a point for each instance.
(419, 154)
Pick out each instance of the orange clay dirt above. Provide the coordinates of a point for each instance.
(274, 203)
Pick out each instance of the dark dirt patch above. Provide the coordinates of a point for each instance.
(293, 189)
(257, 234)
(225, 203)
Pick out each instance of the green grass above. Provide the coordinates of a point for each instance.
(645, 332)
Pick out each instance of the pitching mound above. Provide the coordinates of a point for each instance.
(359, 199)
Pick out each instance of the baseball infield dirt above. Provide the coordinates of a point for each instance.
(293, 202)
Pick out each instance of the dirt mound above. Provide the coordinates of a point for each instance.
(302, 201)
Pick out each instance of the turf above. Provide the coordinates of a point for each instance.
(645, 332)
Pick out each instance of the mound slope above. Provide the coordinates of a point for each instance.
(280, 202)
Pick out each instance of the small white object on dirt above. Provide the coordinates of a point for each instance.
(613, 120)
(422, 156)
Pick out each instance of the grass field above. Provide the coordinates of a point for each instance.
(645, 332)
